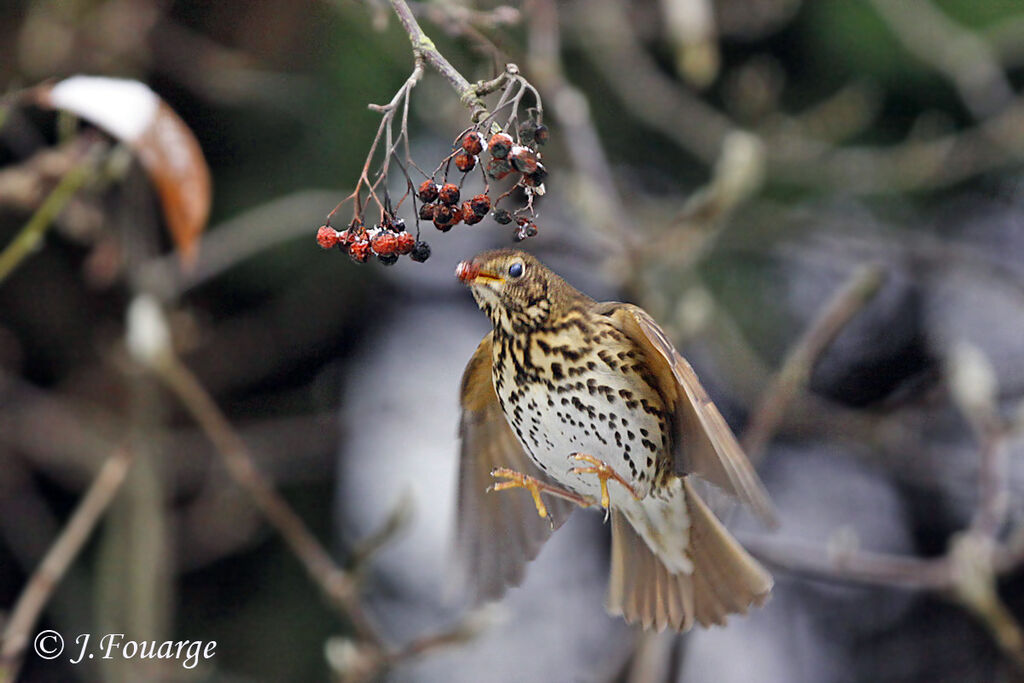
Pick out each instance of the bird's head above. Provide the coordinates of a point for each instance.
(515, 290)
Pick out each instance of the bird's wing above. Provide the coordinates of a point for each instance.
(497, 533)
(703, 444)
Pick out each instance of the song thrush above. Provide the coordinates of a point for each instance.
(588, 403)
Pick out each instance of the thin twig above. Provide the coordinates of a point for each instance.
(58, 558)
(336, 583)
(796, 369)
(960, 55)
(28, 238)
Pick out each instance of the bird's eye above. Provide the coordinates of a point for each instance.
(515, 270)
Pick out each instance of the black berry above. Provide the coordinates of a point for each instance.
(420, 252)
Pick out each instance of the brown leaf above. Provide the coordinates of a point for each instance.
(166, 147)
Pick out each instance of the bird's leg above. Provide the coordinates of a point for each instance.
(518, 480)
(604, 473)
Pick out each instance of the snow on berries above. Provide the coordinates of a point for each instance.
(491, 170)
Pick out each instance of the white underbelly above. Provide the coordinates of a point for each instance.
(553, 426)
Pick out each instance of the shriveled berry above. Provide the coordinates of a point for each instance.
(405, 242)
(523, 159)
(444, 217)
(481, 204)
(398, 224)
(537, 178)
(359, 250)
(541, 134)
(345, 238)
(427, 191)
(500, 145)
(427, 212)
(473, 142)
(526, 131)
(465, 162)
(326, 237)
(503, 216)
(384, 243)
(498, 168)
(388, 259)
(470, 217)
(449, 194)
(420, 252)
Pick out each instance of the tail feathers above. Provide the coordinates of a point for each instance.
(725, 578)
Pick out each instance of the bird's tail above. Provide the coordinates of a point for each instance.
(721, 577)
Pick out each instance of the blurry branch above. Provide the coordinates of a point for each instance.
(658, 102)
(336, 584)
(502, 15)
(975, 556)
(148, 340)
(962, 56)
(263, 227)
(595, 193)
(796, 370)
(57, 560)
(31, 234)
(690, 24)
(353, 662)
(467, 22)
(738, 174)
(650, 96)
(397, 522)
(424, 50)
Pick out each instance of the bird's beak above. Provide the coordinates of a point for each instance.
(471, 274)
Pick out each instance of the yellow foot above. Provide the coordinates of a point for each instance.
(518, 480)
(604, 473)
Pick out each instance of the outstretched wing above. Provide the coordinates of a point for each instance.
(496, 533)
(703, 444)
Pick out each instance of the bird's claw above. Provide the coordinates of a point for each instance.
(518, 480)
(604, 473)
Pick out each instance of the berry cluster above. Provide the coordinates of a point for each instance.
(388, 240)
(498, 152)
(506, 156)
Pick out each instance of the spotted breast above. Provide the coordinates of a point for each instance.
(573, 388)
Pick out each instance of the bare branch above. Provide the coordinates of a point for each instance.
(796, 369)
(61, 554)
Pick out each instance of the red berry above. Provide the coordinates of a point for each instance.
(500, 145)
(326, 236)
(481, 204)
(498, 168)
(427, 212)
(470, 217)
(535, 179)
(466, 271)
(405, 242)
(465, 162)
(473, 142)
(449, 194)
(359, 250)
(427, 191)
(384, 243)
(523, 159)
(444, 217)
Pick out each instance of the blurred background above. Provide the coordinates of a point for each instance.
(822, 202)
